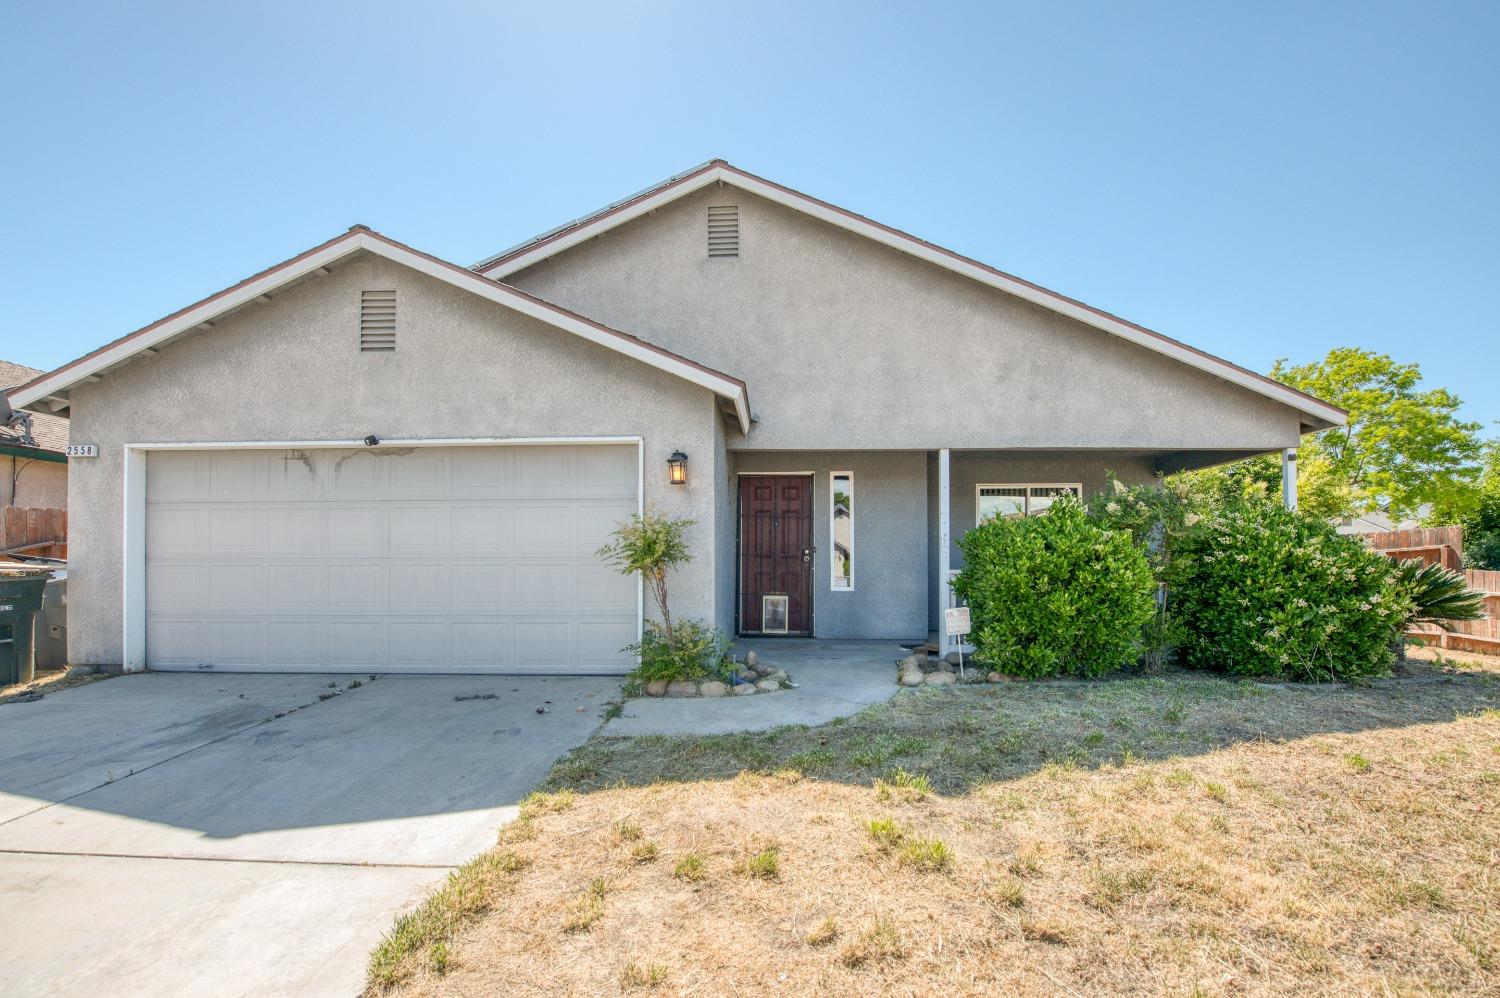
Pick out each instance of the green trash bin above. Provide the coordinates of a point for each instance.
(20, 599)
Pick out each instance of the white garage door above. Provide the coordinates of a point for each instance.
(425, 559)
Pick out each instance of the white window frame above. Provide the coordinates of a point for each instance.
(1028, 486)
(833, 550)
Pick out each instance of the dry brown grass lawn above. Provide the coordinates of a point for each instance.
(1176, 835)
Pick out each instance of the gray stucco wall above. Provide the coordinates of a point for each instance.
(847, 344)
(292, 370)
(889, 599)
(29, 482)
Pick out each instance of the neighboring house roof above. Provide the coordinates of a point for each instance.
(44, 390)
(50, 432)
(1318, 414)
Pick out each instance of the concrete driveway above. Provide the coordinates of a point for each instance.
(245, 835)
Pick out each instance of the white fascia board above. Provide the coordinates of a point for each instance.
(515, 300)
(68, 376)
(932, 254)
(457, 276)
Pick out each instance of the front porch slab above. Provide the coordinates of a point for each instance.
(834, 679)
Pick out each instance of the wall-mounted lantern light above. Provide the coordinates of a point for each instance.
(677, 468)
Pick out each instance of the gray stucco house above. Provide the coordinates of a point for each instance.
(369, 459)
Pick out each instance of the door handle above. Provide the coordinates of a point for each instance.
(807, 554)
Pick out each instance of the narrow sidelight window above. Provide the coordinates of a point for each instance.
(841, 516)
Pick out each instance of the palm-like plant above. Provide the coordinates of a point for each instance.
(1436, 593)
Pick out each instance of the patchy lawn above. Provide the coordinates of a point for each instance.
(1177, 834)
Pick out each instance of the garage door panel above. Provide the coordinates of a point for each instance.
(483, 587)
(181, 643)
(358, 474)
(361, 531)
(419, 643)
(237, 587)
(481, 472)
(237, 475)
(600, 641)
(483, 530)
(177, 588)
(602, 588)
(236, 530)
(236, 643)
(426, 587)
(483, 645)
(546, 471)
(357, 643)
(297, 531)
(292, 587)
(546, 587)
(463, 559)
(607, 473)
(419, 530)
(295, 644)
(545, 529)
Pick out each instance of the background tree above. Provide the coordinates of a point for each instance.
(1404, 445)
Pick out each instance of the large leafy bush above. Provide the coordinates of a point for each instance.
(1054, 594)
(1264, 591)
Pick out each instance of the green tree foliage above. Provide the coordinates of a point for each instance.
(1481, 528)
(1404, 446)
(1055, 594)
(652, 545)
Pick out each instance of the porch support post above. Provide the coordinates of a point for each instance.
(1289, 477)
(945, 595)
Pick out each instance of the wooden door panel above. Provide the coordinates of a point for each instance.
(776, 548)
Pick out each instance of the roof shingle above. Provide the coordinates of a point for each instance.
(51, 432)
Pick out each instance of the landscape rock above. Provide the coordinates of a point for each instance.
(749, 675)
(940, 678)
(751, 658)
(913, 661)
(712, 689)
(745, 690)
(777, 674)
(911, 677)
(768, 686)
(952, 658)
(944, 666)
(682, 689)
(995, 677)
(656, 688)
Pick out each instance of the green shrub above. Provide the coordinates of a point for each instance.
(695, 651)
(1264, 591)
(1054, 594)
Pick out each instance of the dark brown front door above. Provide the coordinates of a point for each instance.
(776, 550)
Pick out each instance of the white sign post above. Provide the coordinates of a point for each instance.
(956, 623)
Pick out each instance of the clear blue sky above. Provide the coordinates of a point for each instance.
(1260, 180)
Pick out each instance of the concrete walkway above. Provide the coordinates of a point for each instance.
(237, 835)
(834, 679)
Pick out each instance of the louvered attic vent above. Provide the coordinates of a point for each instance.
(377, 321)
(724, 230)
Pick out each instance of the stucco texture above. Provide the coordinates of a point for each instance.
(889, 598)
(292, 370)
(29, 482)
(847, 344)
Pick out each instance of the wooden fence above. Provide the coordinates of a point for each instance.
(1444, 546)
(1432, 545)
(34, 530)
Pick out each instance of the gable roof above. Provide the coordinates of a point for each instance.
(1317, 414)
(316, 262)
(50, 432)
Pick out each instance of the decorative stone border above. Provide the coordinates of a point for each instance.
(755, 677)
(921, 669)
